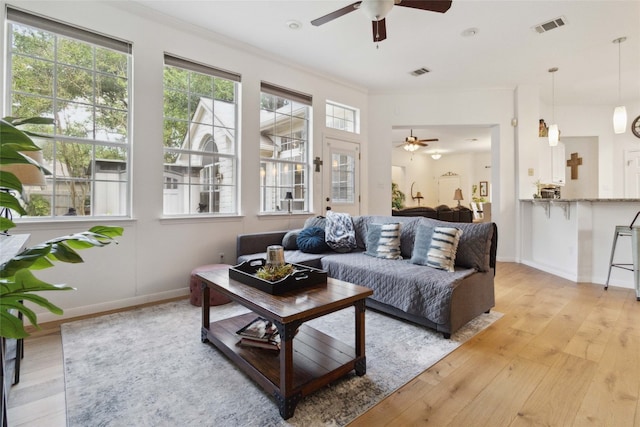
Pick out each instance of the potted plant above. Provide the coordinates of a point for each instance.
(17, 282)
(397, 196)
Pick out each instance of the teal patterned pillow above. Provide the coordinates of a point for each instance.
(437, 249)
(383, 241)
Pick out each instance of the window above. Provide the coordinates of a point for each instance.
(200, 139)
(342, 117)
(82, 80)
(284, 149)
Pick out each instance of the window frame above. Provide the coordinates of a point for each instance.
(300, 184)
(356, 117)
(59, 186)
(210, 188)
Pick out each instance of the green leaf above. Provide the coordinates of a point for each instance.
(17, 121)
(10, 181)
(12, 295)
(33, 257)
(8, 201)
(107, 231)
(25, 281)
(10, 325)
(6, 224)
(64, 253)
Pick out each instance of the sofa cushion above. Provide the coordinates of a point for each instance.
(412, 288)
(339, 232)
(289, 241)
(383, 241)
(474, 248)
(311, 240)
(437, 251)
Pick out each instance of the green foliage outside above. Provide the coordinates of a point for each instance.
(397, 197)
(87, 76)
(17, 281)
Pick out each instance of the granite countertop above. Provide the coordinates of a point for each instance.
(617, 200)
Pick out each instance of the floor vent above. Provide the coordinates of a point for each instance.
(550, 25)
(420, 71)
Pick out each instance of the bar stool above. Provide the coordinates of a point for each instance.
(634, 233)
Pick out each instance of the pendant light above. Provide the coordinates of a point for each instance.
(620, 112)
(554, 133)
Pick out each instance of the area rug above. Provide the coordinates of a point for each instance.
(148, 367)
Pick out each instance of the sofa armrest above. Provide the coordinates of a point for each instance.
(494, 249)
(257, 242)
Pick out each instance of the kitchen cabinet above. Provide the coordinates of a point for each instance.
(551, 163)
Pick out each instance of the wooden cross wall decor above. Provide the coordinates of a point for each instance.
(573, 163)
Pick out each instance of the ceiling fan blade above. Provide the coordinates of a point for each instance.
(335, 14)
(379, 30)
(432, 5)
(428, 140)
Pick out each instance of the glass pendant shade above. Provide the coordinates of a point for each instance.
(620, 119)
(554, 135)
(411, 147)
(436, 156)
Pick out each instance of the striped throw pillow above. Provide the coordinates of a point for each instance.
(383, 241)
(443, 247)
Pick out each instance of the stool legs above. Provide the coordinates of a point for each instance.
(635, 244)
(613, 251)
(634, 266)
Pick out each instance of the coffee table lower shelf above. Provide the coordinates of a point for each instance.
(318, 359)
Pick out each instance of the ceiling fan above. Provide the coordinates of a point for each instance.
(376, 10)
(412, 143)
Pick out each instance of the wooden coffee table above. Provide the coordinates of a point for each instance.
(304, 364)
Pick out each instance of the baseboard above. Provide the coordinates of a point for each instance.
(551, 270)
(112, 305)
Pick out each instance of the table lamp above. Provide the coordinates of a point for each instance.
(458, 195)
(289, 197)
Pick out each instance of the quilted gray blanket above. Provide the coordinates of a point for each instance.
(415, 289)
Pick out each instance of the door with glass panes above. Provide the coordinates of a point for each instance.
(341, 176)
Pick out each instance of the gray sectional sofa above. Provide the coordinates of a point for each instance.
(441, 300)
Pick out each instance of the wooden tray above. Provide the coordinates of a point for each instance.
(302, 277)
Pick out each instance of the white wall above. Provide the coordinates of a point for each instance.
(155, 255)
(481, 107)
(586, 185)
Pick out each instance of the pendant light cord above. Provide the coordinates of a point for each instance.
(619, 41)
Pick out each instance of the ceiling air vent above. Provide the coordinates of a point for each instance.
(550, 25)
(420, 71)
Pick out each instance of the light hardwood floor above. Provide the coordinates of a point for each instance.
(563, 354)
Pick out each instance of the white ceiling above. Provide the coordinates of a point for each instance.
(505, 52)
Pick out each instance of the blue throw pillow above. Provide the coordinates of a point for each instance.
(311, 240)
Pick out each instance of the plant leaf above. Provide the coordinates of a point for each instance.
(10, 325)
(10, 181)
(6, 224)
(62, 252)
(8, 201)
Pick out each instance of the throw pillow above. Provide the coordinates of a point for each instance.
(315, 221)
(311, 240)
(436, 248)
(475, 243)
(383, 241)
(339, 232)
(289, 241)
